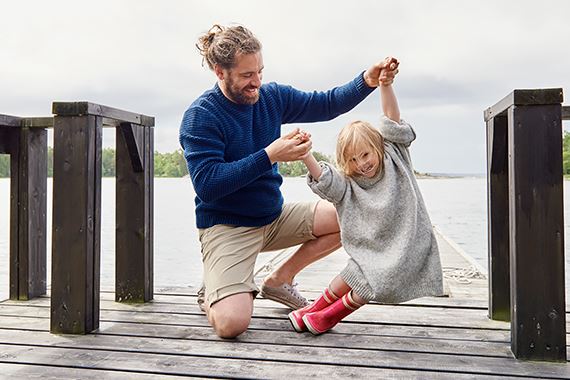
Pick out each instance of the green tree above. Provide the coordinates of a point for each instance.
(4, 165)
(566, 152)
(298, 168)
(108, 162)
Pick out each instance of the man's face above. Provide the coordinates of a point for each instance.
(241, 83)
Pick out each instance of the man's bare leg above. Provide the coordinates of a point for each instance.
(327, 231)
(230, 316)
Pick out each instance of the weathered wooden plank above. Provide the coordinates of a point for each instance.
(50, 372)
(34, 318)
(87, 108)
(200, 365)
(330, 353)
(566, 113)
(498, 218)
(149, 212)
(6, 140)
(15, 232)
(133, 243)
(133, 138)
(76, 224)
(388, 314)
(537, 233)
(36, 122)
(125, 332)
(9, 121)
(524, 97)
(32, 212)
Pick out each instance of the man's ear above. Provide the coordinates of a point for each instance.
(219, 72)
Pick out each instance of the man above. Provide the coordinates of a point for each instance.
(231, 141)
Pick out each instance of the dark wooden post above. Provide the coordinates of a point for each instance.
(77, 213)
(536, 235)
(134, 187)
(76, 223)
(498, 218)
(26, 142)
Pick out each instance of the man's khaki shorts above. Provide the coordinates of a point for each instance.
(229, 252)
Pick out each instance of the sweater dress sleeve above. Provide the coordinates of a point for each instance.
(401, 133)
(331, 186)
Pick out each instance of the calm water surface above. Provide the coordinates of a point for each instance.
(457, 207)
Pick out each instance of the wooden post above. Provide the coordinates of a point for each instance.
(27, 147)
(134, 194)
(77, 212)
(536, 223)
(498, 218)
(76, 224)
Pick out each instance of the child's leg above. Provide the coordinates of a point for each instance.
(338, 286)
(336, 289)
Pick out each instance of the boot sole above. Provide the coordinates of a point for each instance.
(295, 325)
(311, 328)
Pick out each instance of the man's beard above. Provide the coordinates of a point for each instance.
(237, 95)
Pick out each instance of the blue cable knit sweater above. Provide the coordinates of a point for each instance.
(224, 145)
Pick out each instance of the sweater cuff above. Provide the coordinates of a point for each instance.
(262, 161)
(361, 85)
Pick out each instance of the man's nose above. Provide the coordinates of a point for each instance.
(256, 80)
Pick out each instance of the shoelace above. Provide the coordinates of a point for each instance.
(296, 293)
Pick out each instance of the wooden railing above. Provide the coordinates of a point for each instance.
(25, 140)
(77, 212)
(76, 229)
(526, 221)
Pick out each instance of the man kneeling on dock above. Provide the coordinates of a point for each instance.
(231, 136)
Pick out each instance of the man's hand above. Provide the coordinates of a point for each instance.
(382, 72)
(291, 147)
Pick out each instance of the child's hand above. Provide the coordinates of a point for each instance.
(389, 71)
(302, 136)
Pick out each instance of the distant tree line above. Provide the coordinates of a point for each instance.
(566, 153)
(170, 164)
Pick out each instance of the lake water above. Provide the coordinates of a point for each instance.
(457, 207)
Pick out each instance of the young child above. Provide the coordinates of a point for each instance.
(385, 227)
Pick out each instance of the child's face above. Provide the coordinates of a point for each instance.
(364, 161)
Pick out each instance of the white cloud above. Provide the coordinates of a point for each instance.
(457, 58)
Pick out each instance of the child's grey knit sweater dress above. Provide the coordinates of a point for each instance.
(385, 227)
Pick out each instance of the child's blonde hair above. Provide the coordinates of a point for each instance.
(353, 136)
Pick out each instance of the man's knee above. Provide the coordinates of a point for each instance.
(230, 325)
(231, 316)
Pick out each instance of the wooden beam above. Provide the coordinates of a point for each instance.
(37, 122)
(76, 224)
(538, 313)
(32, 212)
(134, 230)
(86, 108)
(133, 137)
(566, 113)
(9, 121)
(524, 98)
(498, 218)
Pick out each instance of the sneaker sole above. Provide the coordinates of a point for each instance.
(280, 300)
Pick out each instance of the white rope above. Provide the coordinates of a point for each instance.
(462, 275)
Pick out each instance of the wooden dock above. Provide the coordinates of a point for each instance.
(431, 338)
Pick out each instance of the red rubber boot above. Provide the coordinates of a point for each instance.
(324, 300)
(321, 321)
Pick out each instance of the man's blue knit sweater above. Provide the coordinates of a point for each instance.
(224, 145)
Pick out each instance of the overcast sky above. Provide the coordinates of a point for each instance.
(457, 58)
